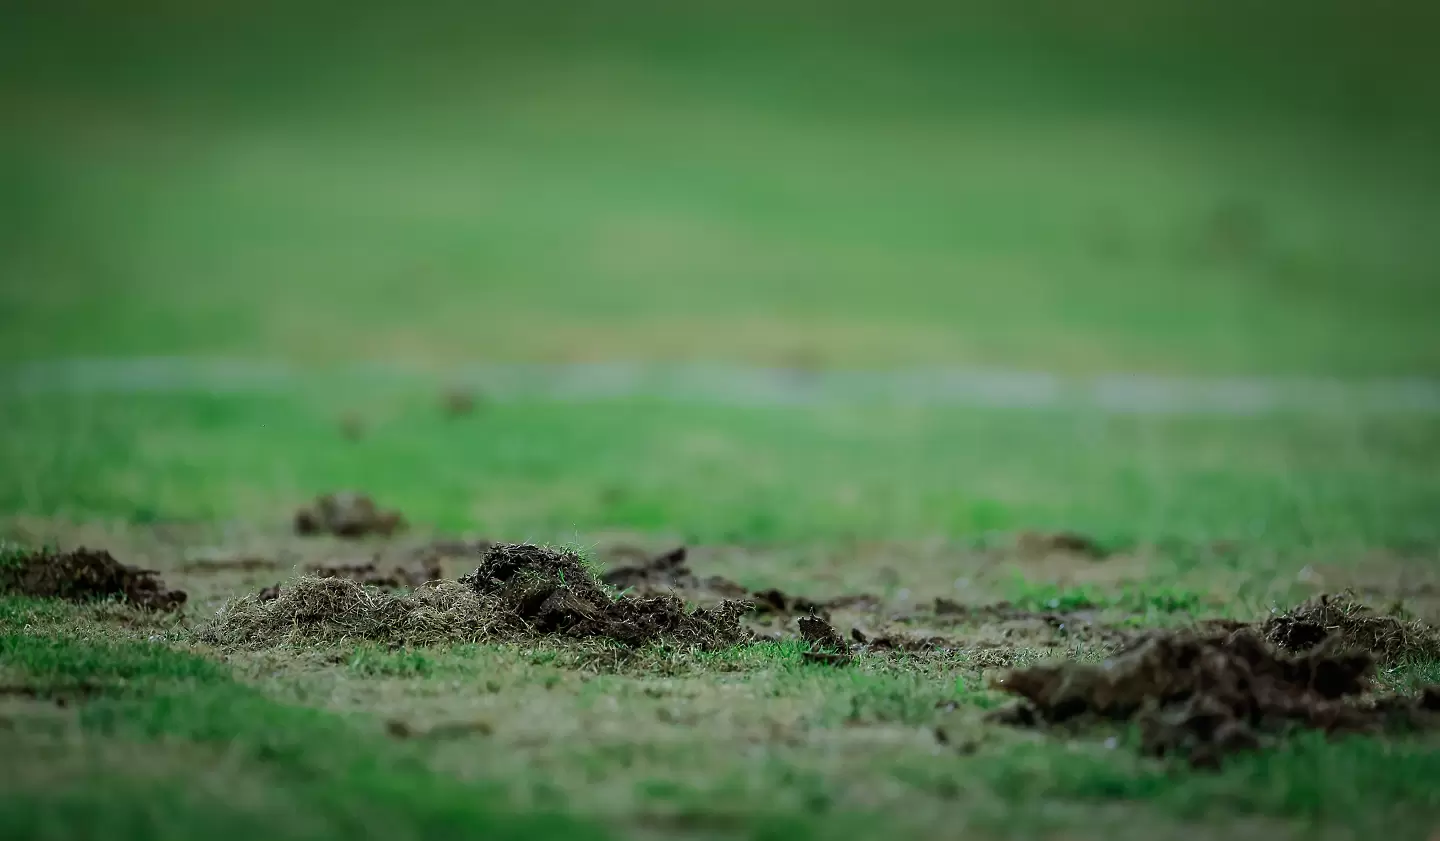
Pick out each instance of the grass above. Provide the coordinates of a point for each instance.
(1208, 191)
(1160, 187)
(841, 734)
(713, 474)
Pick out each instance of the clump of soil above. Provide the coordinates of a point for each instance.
(427, 569)
(820, 634)
(458, 402)
(243, 563)
(1065, 542)
(518, 591)
(1204, 696)
(352, 428)
(1355, 626)
(85, 575)
(667, 570)
(553, 592)
(347, 515)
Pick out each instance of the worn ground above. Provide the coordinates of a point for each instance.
(1026, 619)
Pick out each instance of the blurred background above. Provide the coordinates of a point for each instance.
(1123, 185)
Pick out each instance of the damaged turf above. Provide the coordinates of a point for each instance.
(1355, 626)
(428, 569)
(669, 572)
(85, 575)
(347, 515)
(518, 591)
(1205, 696)
(553, 592)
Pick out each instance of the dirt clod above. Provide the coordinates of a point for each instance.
(1354, 625)
(459, 402)
(820, 634)
(1068, 542)
(1204, 696)
(241, 563)
(347, 515)
(428, 569)
(826, 658)
(519, 591)
(554, 592)
(662, 572)
(85, 575)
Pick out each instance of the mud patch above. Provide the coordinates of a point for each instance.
(349, 515)
(1352, 625)
(1202, 697)
(85, 575)
(519, 591)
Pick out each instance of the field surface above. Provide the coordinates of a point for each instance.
(987, 338)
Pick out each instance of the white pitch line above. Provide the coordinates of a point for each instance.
(749, 386)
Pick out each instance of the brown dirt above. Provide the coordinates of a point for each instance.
(426, 569)
(86, 575)
(1355, 626)
(240, 564)
(820, 634)
(553, 592)
(352, 427)
(519, 591)
(347, 515)
(668, 572)
(459, 402)
(1063, 542)
(665, 571)
(1204, 696)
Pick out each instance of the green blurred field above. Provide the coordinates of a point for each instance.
(1155, 187)
(1140, 186)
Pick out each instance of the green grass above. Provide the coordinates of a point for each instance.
(155, 703)
(558, 472)
(349, 781)
(1226, 190)
(1150, 186)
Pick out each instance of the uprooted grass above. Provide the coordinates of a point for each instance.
(1391, 639)
(518, 591)
(83, 575)
(1204, 696)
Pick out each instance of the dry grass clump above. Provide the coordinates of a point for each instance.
(336, 610)
(519, 591)
(1357, 626)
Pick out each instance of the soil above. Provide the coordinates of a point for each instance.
(665, 571)
(86, 575)
(820, 634)
(1353, 625)
(239, 564)
(426, 569)
(350, 515)
(1203, 696)
(1065, 542)
(552, 591)
(459, 402)
(668, 572)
